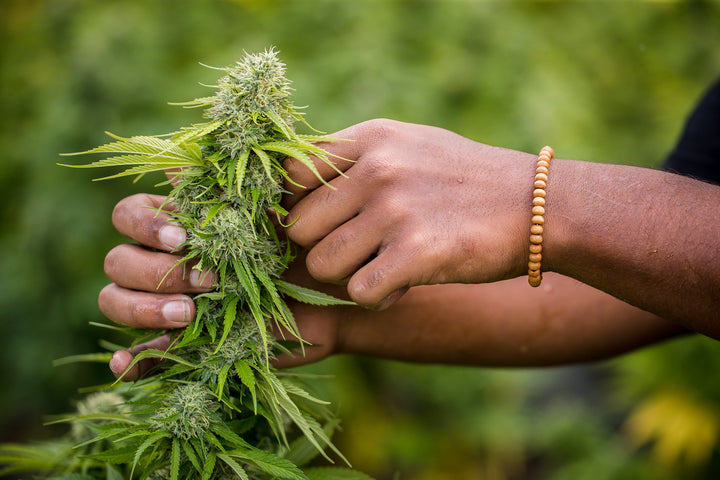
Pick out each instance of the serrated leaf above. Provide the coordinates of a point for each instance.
(239, 471)
(308, 295)
(240, 170)
(269, 463)
(208, 467)
(247, 377)
(228, 320)
(190, 453)
(212, 212)
(175, 459)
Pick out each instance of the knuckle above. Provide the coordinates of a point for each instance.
(318, 267)
(366, 289)
(378, 129)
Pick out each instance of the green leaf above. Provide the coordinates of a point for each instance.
(308, 295)
(266, 162)
(269, 463)
(111, 473)
(240, 170)
(116, 455)
(247, 377)
(88, 357)
(156, 437)
(212, 212)
(281, 124)
(239, 471)
(175, 459)
(222, 377)
(228, 320)
(208, 467)
(190, 453)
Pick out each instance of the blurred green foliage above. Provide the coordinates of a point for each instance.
(604, 81)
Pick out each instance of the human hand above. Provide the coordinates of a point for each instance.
(144, 295)
(417, 205)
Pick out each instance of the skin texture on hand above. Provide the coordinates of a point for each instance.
(416, 205)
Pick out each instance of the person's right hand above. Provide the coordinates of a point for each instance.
(144, 295)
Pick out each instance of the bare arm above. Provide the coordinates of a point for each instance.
(420, 206)
(504, 324)
(648, 237)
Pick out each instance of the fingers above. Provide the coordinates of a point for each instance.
(323, 210)
(343, 153)
(145, 310)
(140, 217)
(317, 326)
(122, 359)
(137, 268)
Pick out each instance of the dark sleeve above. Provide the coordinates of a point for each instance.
(697, 153)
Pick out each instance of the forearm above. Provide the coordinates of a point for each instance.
(644, 236)
(502, 324)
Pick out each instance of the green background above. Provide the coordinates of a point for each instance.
(602, 81)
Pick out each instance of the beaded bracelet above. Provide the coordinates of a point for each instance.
(538, 218)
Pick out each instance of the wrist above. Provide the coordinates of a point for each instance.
(557, 221)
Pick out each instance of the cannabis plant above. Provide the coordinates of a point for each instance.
(215, 408)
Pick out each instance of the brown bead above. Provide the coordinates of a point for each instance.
(535, 248)
(536, 230)
(543, 163)
(534, 281)
(535, 257)
(548, 149)
(538, 219)
(540, 184)
(534, 265)
(538, 210)
(539, 201)
(541, 170)
(536, 239)
(539, 192)
(541, 176)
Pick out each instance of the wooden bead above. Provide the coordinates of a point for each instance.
(538, 210)
(548, 149)
(536, 239)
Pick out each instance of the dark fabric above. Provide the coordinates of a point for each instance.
(697, 153)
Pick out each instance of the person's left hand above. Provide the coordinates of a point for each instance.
(416, 205)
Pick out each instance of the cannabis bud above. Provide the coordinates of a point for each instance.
(215, 408)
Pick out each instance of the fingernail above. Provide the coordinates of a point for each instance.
(203, 279)
(172, 237)
(177, 311)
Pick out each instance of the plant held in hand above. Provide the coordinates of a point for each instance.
(215, 408)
